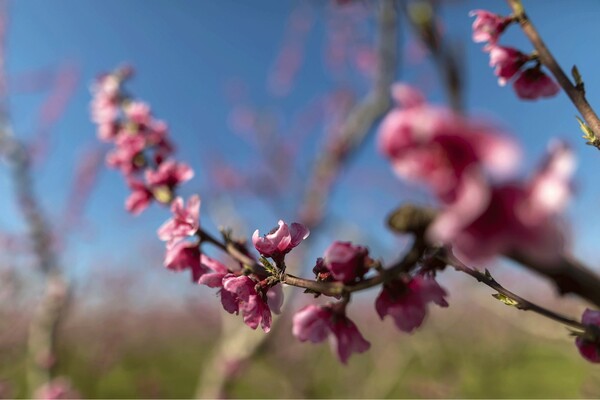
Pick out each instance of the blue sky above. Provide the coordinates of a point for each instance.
(187, 53)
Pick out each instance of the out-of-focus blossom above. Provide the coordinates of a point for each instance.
(275, 298)
(239, 294)
(345, 261)
(183, 223)
(58, 388)
(434, 146)
(185, 255)
(407, 303)
(104, 107)
(589, 343)
(533, 84)
(280, 240)
(517, 216)
(315, 323)
(488, 26)
(507, 61)
(551, 186)
(366, 60)
(407, 96)
(138, 112)
(140, 197)
(168, 175)
(108, 132)
(6, 390)
(157, 137)
(127, 156)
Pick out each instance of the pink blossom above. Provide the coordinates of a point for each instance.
(407, 96)
(184, 222)
(432, 145)
(315, 324)
(280, 240)
(345, 261)
(107, 132)
(127, 156)
(58, 388)
(215, 272)
(507, 60)
(533, 84)
(275, 298)
(185, 255)
(551, 187)
(488, 26)
(157, 136)
(239, 294)
(589, 343)
(138, 112)
(107, 85)
(140, 197)
(407, 303)
(104, 107)
(515, 216)
(169, 174)
(104, 110)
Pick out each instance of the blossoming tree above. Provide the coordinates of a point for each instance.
(465, 164)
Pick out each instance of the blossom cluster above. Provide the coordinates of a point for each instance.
(141, 143)
(404, 299)
(466, 164)
(509, 63)
(481, 215)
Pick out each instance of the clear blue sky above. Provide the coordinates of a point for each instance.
(186, 53)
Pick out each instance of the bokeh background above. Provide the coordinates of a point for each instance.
(252, 91)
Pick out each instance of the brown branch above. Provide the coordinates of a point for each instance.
(42, 329)
(41, 345)
(359, 121)
(568, 274)
(327, 167)
(326, 288)
(422, 16)
(513, 299)
(575, 92)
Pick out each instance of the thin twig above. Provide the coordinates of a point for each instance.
(327, 168)
(575, 92)
(44, 323)
(326, 288)
(515, 300)
(422, 16)
(568, 274)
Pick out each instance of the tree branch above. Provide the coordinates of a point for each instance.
(575, 92)
(359, 121)
(568, 274)
(510, 298)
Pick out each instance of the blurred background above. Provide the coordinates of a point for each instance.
(254, 93)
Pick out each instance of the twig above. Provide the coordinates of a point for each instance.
(575, 92)
(422, 17)
(360, 120)
(568, 274)
(327, 167)
(510, 298)
(327, 288)
(42, 328)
